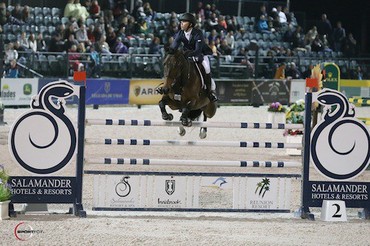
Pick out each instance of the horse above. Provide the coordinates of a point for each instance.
(183, 90)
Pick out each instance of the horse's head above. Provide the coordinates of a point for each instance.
(174, 65)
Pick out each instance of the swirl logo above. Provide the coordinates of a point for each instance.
(43, 140)
(340, 144)
(123, 188)
(23, 231)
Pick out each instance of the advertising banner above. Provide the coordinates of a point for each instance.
(332, 76)
(107, 91)
(18, 92)
(253, 91)
(143, 91)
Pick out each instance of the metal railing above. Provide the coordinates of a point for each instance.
(53, 64)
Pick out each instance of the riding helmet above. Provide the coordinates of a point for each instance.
(188, 17)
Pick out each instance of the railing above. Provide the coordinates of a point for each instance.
(52, 64)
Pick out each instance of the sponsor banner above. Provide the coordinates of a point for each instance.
(170, 192)
(355, 194)
(35, 189)
(18, 92)
(269, 91)
(143, 91)
(116, 191)
(45, 81)
(107, 91)
(262, 194)
(234, 91)
(253, 91)
(332, 76)
(297, 90)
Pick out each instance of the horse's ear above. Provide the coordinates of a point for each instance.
(169, 50)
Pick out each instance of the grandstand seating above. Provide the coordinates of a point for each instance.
(138, 61)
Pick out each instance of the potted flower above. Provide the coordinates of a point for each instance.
(5, 194)
(276, 113)
(295, 115)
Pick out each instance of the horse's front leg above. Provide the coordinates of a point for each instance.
(203, 130)
(185, 121)
(162, 105)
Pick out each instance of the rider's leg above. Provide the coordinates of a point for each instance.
(211, 85)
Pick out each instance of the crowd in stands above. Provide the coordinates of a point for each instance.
(107, 27)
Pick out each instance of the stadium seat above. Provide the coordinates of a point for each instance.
(55, 12)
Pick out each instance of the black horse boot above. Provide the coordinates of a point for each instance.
(211, 93)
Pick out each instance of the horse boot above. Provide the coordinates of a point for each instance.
(211, 93)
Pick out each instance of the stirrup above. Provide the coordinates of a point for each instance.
(212, 96)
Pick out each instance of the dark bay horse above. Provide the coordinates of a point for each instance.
(182, 90)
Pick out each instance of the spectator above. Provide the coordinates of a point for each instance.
(69, 9)
(26, 15)
(350, 43)
(339, 35)
(357, 73)
(81, 11)
(230, 39)
(224, 48)
(56, 44)
(94, 9)
(10, 54)
(120, 47)
(298, 38)
(73, 58)
(310, 36)
(17, 12)
(81, 35)
(70, 42)
(111, 38)
(280, 72)
(200, 11)
(24, 41)
(94, 64)
(3, 16)
(324, 27)
(282, 17)
(154, 47)
(32, 43)
(41, 44)
(317, 44)
(307, 73)
(13, 71)
(293, 71)
(262, 25)
(148, 11)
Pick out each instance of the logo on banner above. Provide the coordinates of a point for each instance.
(43, 140)
(123, 188)
(340, 144)
(137, 90)
(262, 187)
(170, 186)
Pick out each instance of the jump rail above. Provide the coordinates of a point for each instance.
(123, 122)
(121, 161)
(151, 142)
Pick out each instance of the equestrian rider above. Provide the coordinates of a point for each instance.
(193, 41)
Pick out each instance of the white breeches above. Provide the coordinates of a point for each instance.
(207, 69)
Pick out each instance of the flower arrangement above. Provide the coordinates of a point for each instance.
(276, 107)
(5, 189)
(295, 115)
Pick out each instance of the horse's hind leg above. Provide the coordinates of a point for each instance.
(162, 105)
(203, 130)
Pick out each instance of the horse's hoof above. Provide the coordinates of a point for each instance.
(181, 130)
(167, 116)
(202, 133)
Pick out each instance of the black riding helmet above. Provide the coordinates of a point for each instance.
(188, 17)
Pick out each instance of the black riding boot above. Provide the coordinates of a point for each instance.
(211, 93)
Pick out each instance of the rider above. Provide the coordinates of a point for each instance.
(193, 41)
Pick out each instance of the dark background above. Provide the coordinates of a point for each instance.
(352, 13)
